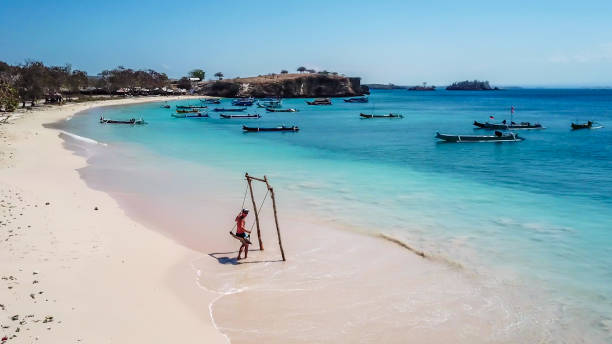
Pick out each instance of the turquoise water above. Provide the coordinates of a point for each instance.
(534, 213)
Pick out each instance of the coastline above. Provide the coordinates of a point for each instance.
(326, 284)
(75, 274)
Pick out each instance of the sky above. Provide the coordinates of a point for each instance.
(522, 43)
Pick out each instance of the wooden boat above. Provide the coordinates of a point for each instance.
(391, 115)
(320, 101)
(240, 116)
(211, 101)
(196, 115)
(587, 125)
(191, 107)
(280, 128)
(357, 100)
(243, 102)
(131, 121)
(505, 126)
(187, 111)
(229, 110)
(281, 110)
(166, 106)
(498, 137)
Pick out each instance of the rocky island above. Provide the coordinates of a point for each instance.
(295, 85)
(471, 86)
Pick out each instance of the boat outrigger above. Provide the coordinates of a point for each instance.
(391, 115)
(280, 128)
(131, 121)
(191, 107)
(505, 126)
(320, 101)
(184, 115)
(229, 110)
(498, 137)
(243, 102)
(357, 100)
(211, 101)
(240, 116)
(281, 110)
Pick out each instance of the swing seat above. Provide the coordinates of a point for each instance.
(244, 241)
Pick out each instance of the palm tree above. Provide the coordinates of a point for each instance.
(284, 71)
(219, 75)
(301, 69)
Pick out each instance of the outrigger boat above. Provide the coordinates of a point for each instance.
(166, 106)
(357, 100)
(229, 110)
(192, 107)
(391, 115)
(505, 126)
(498, 137)
(280, 128)
(281, 110)
(187, 111)
(587, 125)
(211, 101)
(196, 115)
(131, 121)
(240, 116)
(320, 101)
(276, 103)
(243, 102)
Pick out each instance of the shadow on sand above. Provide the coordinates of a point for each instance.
(222, 258)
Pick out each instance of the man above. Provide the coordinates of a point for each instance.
(242, 232)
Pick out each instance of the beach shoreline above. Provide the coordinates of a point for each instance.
(75, 268)
(326, 284)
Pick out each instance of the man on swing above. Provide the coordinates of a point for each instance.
(242, 232)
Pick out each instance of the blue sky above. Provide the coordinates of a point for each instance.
(403, 42)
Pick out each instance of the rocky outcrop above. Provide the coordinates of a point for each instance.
(286, 86)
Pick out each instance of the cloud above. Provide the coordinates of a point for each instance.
(601, 53)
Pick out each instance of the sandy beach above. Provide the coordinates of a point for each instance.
(75, 268)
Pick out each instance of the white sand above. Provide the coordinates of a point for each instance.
(102, 277)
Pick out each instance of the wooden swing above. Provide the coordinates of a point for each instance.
(246, 241)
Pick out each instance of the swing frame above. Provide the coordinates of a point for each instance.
(250, 179)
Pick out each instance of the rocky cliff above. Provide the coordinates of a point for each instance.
(286, 86)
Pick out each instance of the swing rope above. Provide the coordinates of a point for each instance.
(246, 189)
(259, 209)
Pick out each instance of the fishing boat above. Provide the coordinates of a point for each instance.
(498, 137)
(195, 115)
(357, 100)
(391, 115)
(279, 128)
(281, 110)
(211, 101)
(187, 110)
(240, 116)
(192, 107)
(587, 125)
(320, 101)
(131, 121)
(229, 110)
(165, 106)
(505, 126)
(243, 102)
(275, 103)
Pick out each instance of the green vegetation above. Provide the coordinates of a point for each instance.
(9, 99)
(219, 75)
(197, 73)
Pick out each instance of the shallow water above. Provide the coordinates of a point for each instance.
(533, 213)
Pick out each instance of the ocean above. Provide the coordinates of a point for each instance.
(534, 213)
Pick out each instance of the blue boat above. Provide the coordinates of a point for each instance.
(229, 110)
(357, 100)
(243, 102)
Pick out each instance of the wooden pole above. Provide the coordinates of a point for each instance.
(255, 210)
(280, 242)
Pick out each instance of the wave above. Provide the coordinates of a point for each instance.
(82, 139)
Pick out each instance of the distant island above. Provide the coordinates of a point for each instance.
(286, 85)
(471, 86)
(423, 87)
